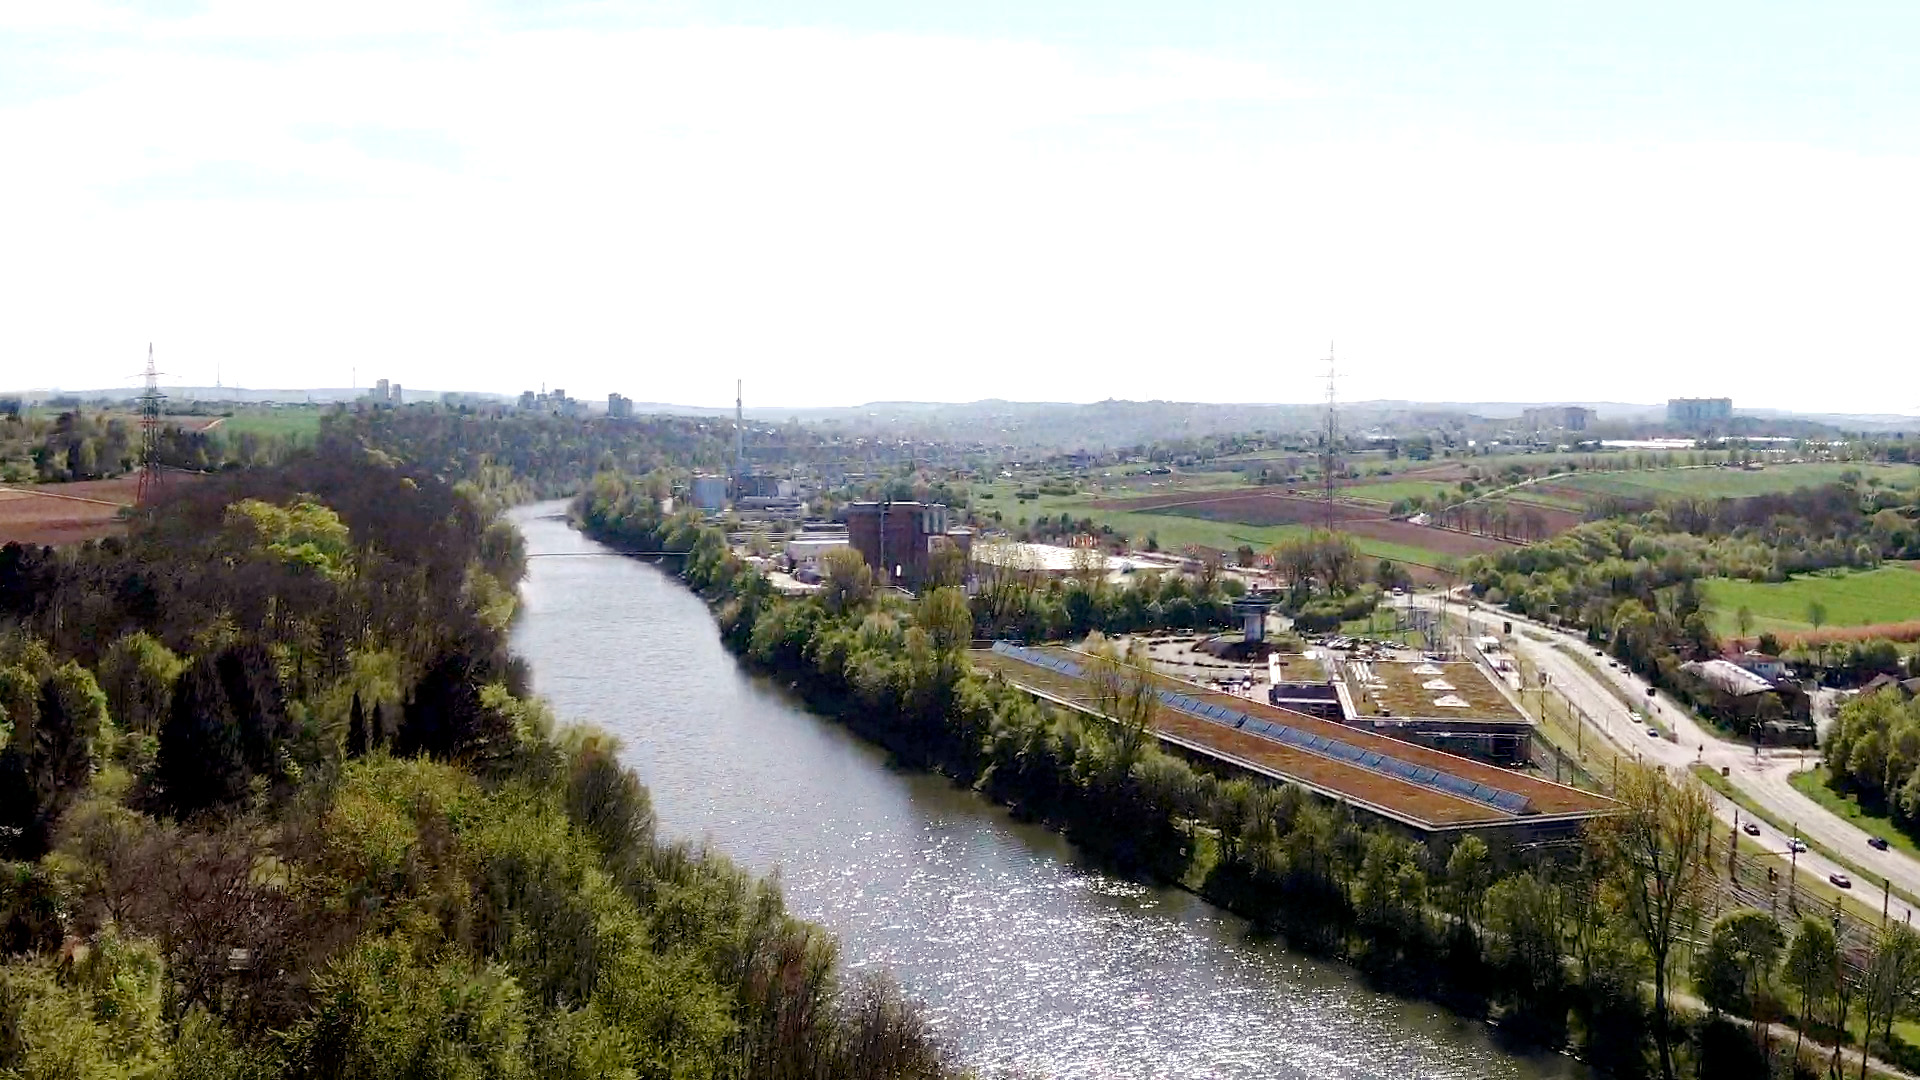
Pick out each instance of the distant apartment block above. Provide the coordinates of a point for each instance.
(619, 407)
(1699, 412)
(1557, 418)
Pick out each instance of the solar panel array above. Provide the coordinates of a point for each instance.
(1336, 749)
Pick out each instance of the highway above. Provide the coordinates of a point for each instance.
(1761, 777)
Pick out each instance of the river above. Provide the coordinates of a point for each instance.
(1029, 961)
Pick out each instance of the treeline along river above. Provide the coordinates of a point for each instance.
(1027, 959)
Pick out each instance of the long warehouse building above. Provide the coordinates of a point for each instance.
(1416, 786)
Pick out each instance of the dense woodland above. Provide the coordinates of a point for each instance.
(274, 802)
(1558, 944)
(81, 444)
(514, 456)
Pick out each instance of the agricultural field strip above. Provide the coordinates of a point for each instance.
(40, 491)
(1327, 774)
(1733, 483)
(1547, 796)
(1176, 532)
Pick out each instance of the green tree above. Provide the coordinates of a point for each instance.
(1657, 850)
(1890, 982)
(1742, 951)
(1743, 620)
(138, 674)
(1812, 967)
(1124, 691)
(846, 580)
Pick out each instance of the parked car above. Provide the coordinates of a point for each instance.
(1750, 829)
(1840, 881)
(1653, 731)
(1879, 842)
(1797, 844)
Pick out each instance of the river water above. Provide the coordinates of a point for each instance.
(1029, 961)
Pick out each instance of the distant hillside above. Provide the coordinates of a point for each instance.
(1112, 423)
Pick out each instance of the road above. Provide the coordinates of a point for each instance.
(1761, 777)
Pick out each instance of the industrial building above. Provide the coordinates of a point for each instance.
(1058, 561)
(1419, 788)
(1557, 418)
(1693, 413)
(1448, 705)
(895, 538)
(709, 492)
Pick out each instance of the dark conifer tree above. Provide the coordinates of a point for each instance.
(357, 744)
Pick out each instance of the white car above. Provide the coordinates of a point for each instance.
(1797, 844)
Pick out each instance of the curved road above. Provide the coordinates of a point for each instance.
(1761, 777)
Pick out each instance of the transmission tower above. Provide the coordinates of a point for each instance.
(150, 400)
(1329, 459)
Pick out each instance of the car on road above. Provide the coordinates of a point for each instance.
(1877, 842)
(1750, 829)
(1840, 880)
(1797, 844)
(1653, 731)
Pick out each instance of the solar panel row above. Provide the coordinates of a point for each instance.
(1371, 760)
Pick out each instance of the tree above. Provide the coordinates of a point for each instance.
(944, 615)
(1469, 873)
(58, 725)
(1891, 979)
(1125, 691)
(1657, 851)
(846, 580)
(1816, 614)
(1812, 967)
(1743, 621)
(226, 725)
(358, 741)
(138, 674)
(1524, 916)
(1741, 953)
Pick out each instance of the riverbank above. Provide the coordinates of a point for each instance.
(1027, 953)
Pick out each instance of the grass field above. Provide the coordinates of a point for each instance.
(1885, 594)
(1174, 532)
(298, 423)
(1733, 483)
(1392, 491)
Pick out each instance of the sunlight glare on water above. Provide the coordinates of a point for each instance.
(1028, 961)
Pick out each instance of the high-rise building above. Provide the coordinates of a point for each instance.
(380, 390)
(395, 398)
(1699, 412)
(619, 407)
(1556, 418)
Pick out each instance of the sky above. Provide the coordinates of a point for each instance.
(1063, 201)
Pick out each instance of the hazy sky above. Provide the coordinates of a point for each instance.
(851, 201)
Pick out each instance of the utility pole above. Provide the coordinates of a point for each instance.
(1733, 844)
(1333, 429)
(150, 399)
(1793, 872)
